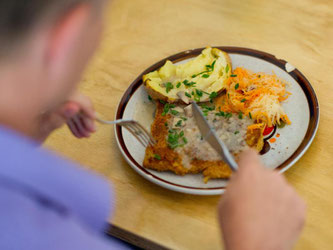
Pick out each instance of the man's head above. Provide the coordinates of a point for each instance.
(44, 48)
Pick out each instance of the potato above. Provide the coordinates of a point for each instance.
(194, 80)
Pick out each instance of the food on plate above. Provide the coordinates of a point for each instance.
(243, 105)
(259, 95)
(181, 149)
(195, 80)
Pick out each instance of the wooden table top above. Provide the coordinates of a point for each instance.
(139, 33)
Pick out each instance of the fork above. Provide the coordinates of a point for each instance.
(135, 128)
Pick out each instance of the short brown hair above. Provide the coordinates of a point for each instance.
(18, 17)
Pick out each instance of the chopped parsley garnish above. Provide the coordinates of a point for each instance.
(188, 95)
(236, 86)
(221, 113)
(240, 115)
(227, 68)
(197, 98)
(198, 92)
(167, 108)
(228, 115)
(192, 84)
(168, 87)
(173, 138)
(157, 157)
(236, 132)
(210, 68)
(250, 115)
(208, 108)
(213, 65)
(174, 112)
(166, 124)
(163, 102)
(178, 85)
(187, 83)
(185, 140)
(150, 98)
(233, 75)
(243, 100)
(212, 96)
(203, 72)
(183, 118)
(179, 123)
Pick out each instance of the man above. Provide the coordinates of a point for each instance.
(49, 203)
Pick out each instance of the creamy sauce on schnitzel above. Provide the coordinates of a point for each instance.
(230, 128)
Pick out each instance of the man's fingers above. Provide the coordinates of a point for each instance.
(85, 104)
(248, 159)
(74, 129)
(79, 125)
(88, 123)
(68, 110)
(80, 115)
(89, 111)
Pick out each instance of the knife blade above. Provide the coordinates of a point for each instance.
(209, 134)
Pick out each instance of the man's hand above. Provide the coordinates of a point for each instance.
(260, 210)
(77, 112)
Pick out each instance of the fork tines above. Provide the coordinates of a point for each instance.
(139, 132)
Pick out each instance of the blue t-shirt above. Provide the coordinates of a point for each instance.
(47, 202)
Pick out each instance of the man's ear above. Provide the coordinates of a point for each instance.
(65, 36)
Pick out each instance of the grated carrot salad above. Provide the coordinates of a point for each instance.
(257, 95)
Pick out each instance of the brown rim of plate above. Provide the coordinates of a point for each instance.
(296, 74)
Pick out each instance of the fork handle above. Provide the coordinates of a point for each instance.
(107, 122)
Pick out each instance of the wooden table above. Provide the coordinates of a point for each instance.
(140, 32)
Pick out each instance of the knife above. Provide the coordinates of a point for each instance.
(209, 134)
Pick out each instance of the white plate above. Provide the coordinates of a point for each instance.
(301, 107)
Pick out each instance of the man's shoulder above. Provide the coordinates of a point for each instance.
(16, 148)
(45, 178)
(28, 225)
(23, 159)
